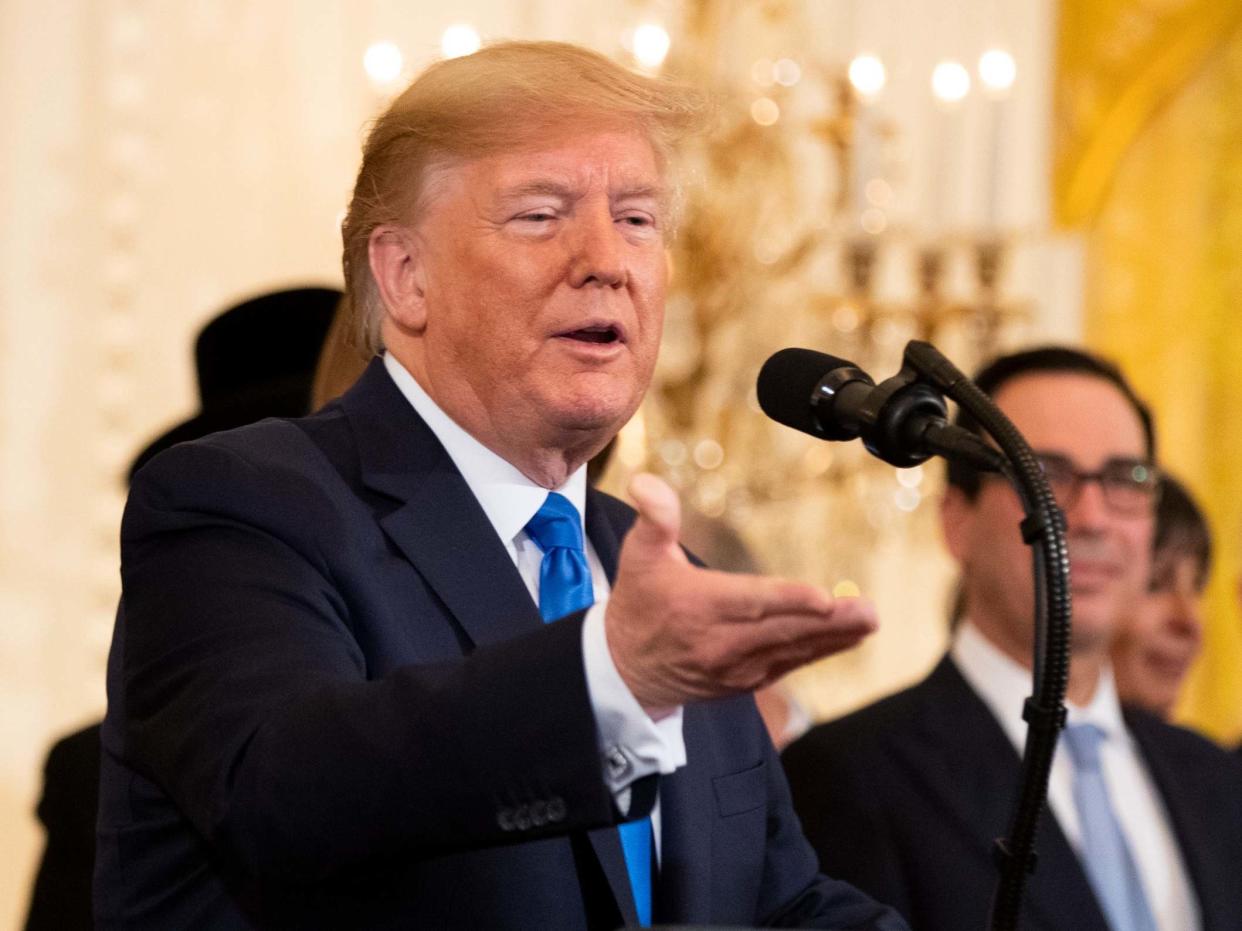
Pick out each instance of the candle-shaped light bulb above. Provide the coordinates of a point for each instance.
(382, 63)
(950, 81)
(651, 45)
(997, 70)
(868, 76)
(460, 39)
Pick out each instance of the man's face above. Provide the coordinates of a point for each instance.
(1088, 422)
(543, 276)
(1161, 638)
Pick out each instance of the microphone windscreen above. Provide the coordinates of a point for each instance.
(787, 384)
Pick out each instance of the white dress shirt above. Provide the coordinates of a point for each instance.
(1004, 685)
(631, 744)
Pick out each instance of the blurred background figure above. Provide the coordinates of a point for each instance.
(1164, 634)
(341, 361)
(255, 359)
(906, 797)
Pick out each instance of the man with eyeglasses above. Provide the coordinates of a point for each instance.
(906, 797)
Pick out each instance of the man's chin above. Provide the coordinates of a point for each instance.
(588, 413)
(1092, 630)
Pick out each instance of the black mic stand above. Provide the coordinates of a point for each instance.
(1043, 529)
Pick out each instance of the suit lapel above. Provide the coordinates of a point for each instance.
(1060, 886)
(437, 522)
(441, 528)
(606, 842)
(975, 783)
(1190, 813)
(604, 533)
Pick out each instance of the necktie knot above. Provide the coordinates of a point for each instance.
(564, 574)
(556, 524)
(1083, 742)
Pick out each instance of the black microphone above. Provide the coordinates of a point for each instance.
(902, 420)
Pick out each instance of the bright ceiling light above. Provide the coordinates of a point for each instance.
(651, 44)
(867, 75)
(382, 62)
(950, 81)
(460, 39)
(997, 69)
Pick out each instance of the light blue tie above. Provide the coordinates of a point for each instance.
(1106, 855)
(565, 587)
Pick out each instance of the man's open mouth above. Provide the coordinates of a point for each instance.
(594, 334)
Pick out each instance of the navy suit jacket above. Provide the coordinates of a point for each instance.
(905, 798)
(332, 703)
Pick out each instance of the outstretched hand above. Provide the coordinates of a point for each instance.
(678, 633)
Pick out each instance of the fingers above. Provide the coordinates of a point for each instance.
(766, 627)
(843, 628)
(778, 644)
(679, 633)
(741, 657)
(850, 621)
(783, 640)
(754, 597)
(659, 513)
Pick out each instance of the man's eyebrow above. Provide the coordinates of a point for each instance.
(549, 188)
(542, 187)
(639, 192)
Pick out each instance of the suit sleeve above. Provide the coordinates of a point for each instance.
(244, 692)
(844, 819)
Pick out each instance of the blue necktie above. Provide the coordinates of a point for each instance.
(565, 587)
(1106, 855)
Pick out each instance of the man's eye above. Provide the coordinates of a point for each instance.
(1057, 471)
(643, 224)
(1129, 474)
(538, 216)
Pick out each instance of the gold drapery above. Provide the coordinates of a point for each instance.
(1148, 166)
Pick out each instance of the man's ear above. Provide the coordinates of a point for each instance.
(956, 520)
(397, 266)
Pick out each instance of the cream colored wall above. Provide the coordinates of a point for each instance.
(160, 160)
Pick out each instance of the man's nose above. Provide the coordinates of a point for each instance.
(1090, 510)
(597, 257)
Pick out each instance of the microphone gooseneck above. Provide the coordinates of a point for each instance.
(902, 421)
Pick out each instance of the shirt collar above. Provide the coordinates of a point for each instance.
(508, 498)
(1004, 685)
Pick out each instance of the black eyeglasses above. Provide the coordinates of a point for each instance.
(1129, 486)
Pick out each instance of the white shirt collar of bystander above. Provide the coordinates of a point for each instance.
(1004, 685)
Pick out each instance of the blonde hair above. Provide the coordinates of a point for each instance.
(340, 361)
(507, 96)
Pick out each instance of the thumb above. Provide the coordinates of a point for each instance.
(659, 512)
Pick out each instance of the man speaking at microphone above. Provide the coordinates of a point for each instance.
(369, 671)
(906, 797)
